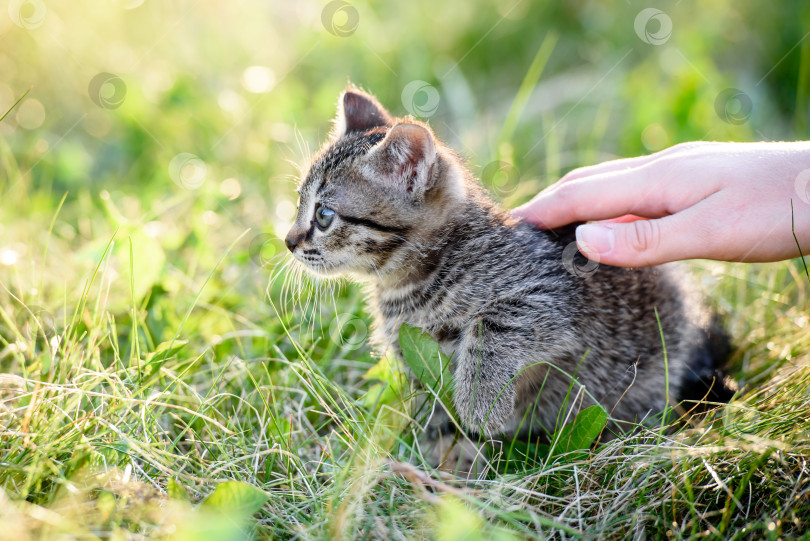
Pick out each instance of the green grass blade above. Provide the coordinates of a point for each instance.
(526, 88)
(16, 103)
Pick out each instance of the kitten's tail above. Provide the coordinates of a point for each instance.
(705, 382)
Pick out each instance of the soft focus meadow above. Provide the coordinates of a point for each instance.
(164, 375)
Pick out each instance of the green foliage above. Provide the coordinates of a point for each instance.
(155, 346)
(236, 498)
(569, 444)
(458, 522)
(581, 432)
(422, 355)
(176, 491)
(427, 364)
(389, 384)
(165, 350)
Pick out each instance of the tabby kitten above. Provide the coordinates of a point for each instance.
(524, 324)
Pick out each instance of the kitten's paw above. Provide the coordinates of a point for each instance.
(486, 411)
(457, 455)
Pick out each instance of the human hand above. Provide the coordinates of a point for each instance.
(723, 201)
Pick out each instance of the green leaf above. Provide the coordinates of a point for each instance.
(166, 349)
(145, 262)
(280, 429)
(177, 491)
(392, 380)
(423, 357)
(114, 453)
(582, 431)
(457, 521)
(519, 455)
(377, 395)
(236, 496)
(387, 370)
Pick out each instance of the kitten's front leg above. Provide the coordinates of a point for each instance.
(487, 361)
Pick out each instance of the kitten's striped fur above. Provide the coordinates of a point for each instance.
(508, 302)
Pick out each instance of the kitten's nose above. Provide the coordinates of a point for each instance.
(293, 239)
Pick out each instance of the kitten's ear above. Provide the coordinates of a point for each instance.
(358, 111)
(406, 158)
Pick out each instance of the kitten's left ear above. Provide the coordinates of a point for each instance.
(358, 111)
(406, 158)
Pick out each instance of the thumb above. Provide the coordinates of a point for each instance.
(640, 243)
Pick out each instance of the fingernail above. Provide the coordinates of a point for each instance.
(519, 211)
(596, 239)
(523, 213)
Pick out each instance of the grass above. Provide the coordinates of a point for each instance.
(100, 415)
(154, 350)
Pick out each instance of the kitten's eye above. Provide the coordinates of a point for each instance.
(324, 217)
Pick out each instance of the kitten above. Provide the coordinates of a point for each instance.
(525, 318)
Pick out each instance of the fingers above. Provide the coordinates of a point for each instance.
(651, 186)
(535, 210)
(598, 197)
(621, 164)
(607, 167)
(684, 235)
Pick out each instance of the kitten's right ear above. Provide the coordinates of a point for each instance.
(406, 158)
(358, 111)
